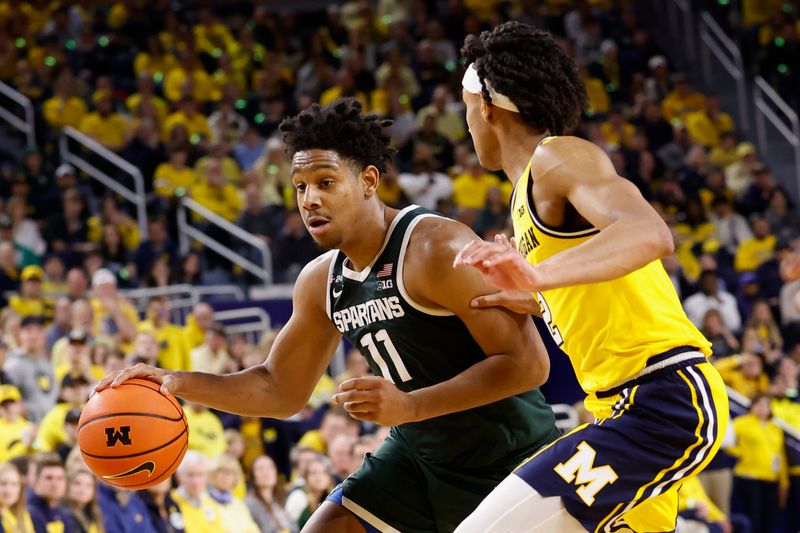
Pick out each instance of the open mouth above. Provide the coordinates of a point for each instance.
(317, 224)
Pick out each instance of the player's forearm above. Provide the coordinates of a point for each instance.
(616, 251)
(250, 392)
(495, 378)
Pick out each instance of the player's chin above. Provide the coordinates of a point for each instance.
(328, 240)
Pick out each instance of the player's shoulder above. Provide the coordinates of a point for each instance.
(569, 157)
(437, 239)
(313, 279)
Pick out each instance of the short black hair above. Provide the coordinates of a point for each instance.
(342, 128)
(529, 67)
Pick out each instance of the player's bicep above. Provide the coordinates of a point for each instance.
(496, 329)
(304, 347)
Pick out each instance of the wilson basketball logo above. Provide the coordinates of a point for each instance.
(113, 436)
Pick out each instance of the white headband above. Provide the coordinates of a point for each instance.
(472, 84)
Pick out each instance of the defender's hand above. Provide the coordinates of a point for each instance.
(165, 378)
(374, 399)
(500, 264)
(520, 302)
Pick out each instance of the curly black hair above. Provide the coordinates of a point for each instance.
(527, 65)
(342, 128)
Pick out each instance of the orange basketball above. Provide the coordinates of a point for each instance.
(133, 436)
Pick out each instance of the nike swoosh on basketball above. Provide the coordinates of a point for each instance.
(336, 293)
(147, 465)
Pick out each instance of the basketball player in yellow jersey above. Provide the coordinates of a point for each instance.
(587, 248)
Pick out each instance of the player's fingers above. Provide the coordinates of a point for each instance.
(168, 385)
(106, 381)
(365, 417)
(505, 257)
(497, 299)
(484, 252)
(502, 239)
(367, 382)
(360, 407)
(353, 396)
(466, 252)
(138, 371)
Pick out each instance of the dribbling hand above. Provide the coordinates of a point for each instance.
(500, 264)
(165, 378)
(375, 399)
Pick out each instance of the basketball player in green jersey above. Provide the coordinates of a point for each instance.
(456, 383)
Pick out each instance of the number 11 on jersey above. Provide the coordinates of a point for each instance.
(382, 337)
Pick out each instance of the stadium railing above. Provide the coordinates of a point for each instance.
(90, 154)
(182, 297)
(187, 232)
(252, 322)
(729, 57)
(26, 125)
(770, 106)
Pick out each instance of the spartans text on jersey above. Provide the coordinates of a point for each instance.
(367, 313)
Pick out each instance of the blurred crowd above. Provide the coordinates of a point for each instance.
(768, 32)
(192, 94)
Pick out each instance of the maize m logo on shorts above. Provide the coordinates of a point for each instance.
(113, 436)
(580, 470)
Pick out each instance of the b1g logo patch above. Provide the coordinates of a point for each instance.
(384, 284)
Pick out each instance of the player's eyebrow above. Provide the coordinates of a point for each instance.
(315, 166)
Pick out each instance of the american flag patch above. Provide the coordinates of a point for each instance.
(385, 271)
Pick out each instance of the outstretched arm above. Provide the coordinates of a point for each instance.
(280, 386)
(516, 360)
(631, 232)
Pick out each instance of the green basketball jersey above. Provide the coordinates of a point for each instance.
(416, 347)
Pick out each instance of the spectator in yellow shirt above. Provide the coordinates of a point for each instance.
(64, 108)
(14, 515)
(744, 373)
(617, 131)
(448, 122)
(757, 249)
(113, 314)
(52, 430)
(173, 177)
(78, 360)
(471, 188)
(217, 194)
(724, 154)
(345, 86)
(145, 92)
(31, 300)
(16, 433)
(681, 100)
(599, 101)
(335, 422)
(761, 476)
(173, 352)
(218, 152)
(212, 356)
(196, 123)
(155, 61)
(104, 125)
(189, 80)
(707, 125)
(199, 321)
(206, 434)
(211, 36)
(201, 514)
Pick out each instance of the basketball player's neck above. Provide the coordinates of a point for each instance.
(367, 239)
(517, 143)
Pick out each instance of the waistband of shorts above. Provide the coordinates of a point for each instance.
(657, 365)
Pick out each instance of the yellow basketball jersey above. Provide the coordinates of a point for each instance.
(609, 330)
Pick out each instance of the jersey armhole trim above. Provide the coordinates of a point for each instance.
(400, 268)
(366, 516)
(545, 228)
(328, 294)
